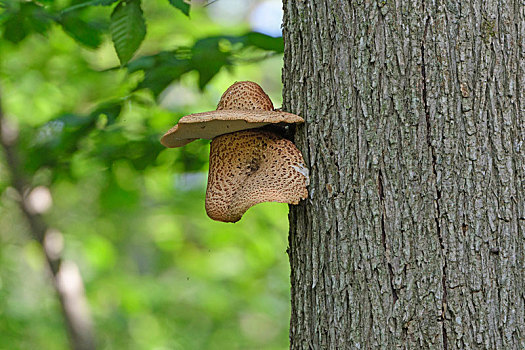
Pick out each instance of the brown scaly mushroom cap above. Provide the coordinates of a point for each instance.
(250, 167)
(243, 106)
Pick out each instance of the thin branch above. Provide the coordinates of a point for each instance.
(65, 275)
(257, 59)
(209, 3)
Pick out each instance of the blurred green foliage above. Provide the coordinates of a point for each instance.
(159, 274)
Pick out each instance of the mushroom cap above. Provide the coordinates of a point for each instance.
(251, 167)
(244, 105)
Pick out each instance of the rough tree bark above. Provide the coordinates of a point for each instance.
(413, 236)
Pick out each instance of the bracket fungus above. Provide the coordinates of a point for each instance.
(248, 165)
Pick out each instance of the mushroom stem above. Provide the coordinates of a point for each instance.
(251, 167)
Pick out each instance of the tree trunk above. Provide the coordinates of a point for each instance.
(413, 236)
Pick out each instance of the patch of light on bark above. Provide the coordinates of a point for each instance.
(39, 200)
(53, 243)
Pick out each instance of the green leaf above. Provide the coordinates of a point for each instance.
(127, 28)
(265, 42)
(83, 32)
(208, 58)
(160, 70)
(112, 145)
(15, 30)
(101, 2)
(181, 5)
(24, 19)
(89, 3)
(54, 143)
(110, 109)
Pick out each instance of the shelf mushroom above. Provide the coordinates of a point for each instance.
(248, 165)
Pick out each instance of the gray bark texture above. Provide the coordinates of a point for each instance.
(413, 236)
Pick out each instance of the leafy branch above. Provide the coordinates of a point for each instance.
(127, 23)
(207, 56)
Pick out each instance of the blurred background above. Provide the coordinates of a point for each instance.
(157, 272)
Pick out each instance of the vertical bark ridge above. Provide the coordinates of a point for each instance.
(383, 236)
(424, 97)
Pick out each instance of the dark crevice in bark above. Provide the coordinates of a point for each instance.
(438, 192)
(380, 188)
